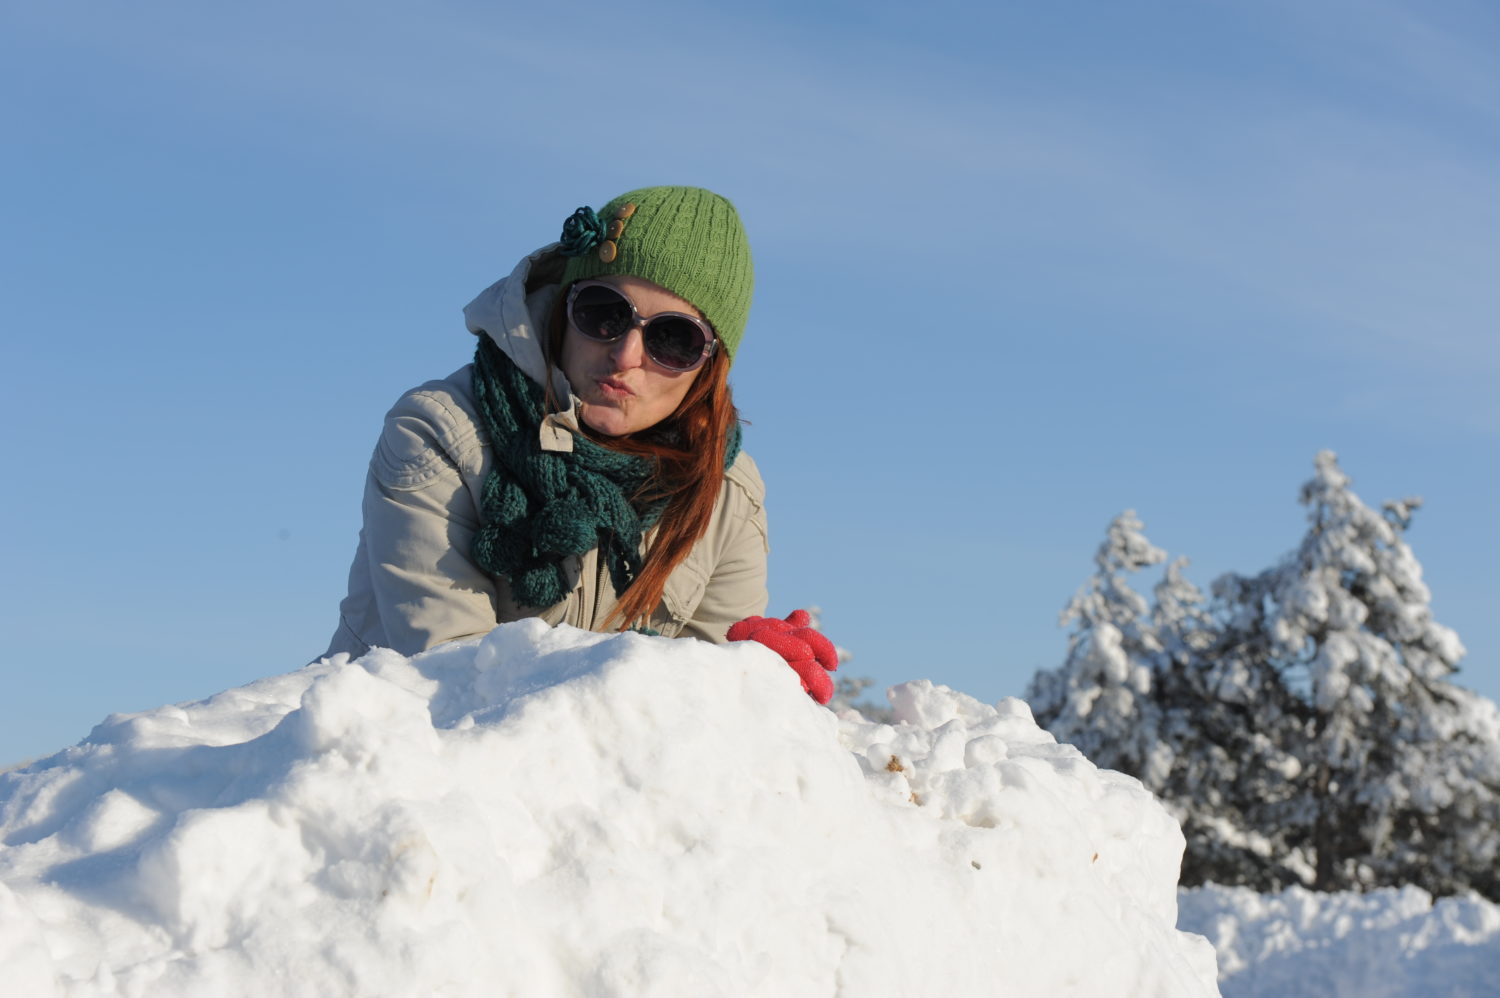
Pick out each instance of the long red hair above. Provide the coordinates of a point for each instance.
(689, 470)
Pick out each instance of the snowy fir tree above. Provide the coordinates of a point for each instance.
(1303, 726)
(1141, 691)
(1236, 730)
(1100, 699)
(1397, 765)
(850, 692)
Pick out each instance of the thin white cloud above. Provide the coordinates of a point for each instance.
(1448, 53)
(1364, 218)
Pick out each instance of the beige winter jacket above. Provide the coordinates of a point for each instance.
(414, 583)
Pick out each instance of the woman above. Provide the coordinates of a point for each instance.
(586, 468)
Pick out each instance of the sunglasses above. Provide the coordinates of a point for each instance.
(673, 340)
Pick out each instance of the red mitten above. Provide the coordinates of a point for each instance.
(805, 649)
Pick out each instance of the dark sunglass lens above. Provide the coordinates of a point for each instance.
(600, 312)
(674, 342)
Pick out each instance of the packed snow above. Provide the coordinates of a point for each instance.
(1390, 943)
(549, 811)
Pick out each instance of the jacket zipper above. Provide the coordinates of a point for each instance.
(598, 580)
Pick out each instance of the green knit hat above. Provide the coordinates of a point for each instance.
(687, 239)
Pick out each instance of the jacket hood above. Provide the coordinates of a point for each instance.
(513, 312)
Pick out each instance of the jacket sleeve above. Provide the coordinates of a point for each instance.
(736, 587)
(419, 524)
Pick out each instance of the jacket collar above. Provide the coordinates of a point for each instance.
(517, 322)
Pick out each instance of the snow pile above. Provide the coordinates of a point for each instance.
(554, 812)
(1386, 944)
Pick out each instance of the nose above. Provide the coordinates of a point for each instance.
(629, 351)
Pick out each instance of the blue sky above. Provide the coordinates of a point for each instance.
(1020, 267)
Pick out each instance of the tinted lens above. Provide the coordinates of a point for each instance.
(675, 341)
(600, 312)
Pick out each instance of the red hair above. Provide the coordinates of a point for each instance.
(689, 469)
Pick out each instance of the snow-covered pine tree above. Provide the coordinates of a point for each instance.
(1099, 699)
(1184, 627)
(1448, 839)
(1142, 692)
(1233, 728)
(848, 694)
(1303, 727)
(848, 690)
(1391, 755)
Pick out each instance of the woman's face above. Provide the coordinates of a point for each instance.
(624, 390)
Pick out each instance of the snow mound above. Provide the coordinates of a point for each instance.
(1389, 943)
(554, 812)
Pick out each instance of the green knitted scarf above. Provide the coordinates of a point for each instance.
(539, 507)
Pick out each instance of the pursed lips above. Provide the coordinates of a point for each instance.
(613, 387)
